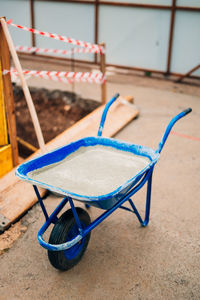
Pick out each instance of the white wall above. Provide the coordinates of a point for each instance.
(158, 2)
(68, 19)
(186, 42)
(19, 11)
(189, 3)
(135, 36)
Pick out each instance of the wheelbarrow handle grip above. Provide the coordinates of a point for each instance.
(104, 114)
(187, 111)
(169, 127)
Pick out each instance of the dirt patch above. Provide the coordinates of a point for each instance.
(57, 110)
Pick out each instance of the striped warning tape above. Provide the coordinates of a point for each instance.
(66, 77)
(60, 37)
(28, 49)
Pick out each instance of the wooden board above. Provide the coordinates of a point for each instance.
(8, 96)
(6, 163)
(17, 196)
(3, 125)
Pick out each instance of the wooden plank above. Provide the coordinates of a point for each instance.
(103, 71)
(17, 196)
(27, 145)
(32, 22)
(3, 125)
(8, 96)
(8, 39)
(6, 163)
(171, 34)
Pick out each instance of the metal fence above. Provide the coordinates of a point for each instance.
(160, 36)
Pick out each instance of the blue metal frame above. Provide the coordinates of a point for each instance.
(169, 127)
(96, 222)
(104, 201)
(137, 185)
(103, 118)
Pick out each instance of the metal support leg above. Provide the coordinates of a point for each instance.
(75, 214)
(148, 204)
(135, 211)
(41, 202)
(148, 201)
(96, 222)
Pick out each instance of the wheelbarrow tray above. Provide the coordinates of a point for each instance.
(95, 170)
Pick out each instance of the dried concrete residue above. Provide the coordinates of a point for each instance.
(92, 171)
(10, 236)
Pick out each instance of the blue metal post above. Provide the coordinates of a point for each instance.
(148, 204)
(148, 201)
(52, 216)
(75, 214)
(41, 202)
(136, 211)
(90, 227)
(169, 127)
(103, 118)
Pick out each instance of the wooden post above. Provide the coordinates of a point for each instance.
(8, 96)
(96, 28)
(3, 122)
(103, 71)
(25, 88)
(173, 10)
(32, 21)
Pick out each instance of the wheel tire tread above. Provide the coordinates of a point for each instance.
(57, 236)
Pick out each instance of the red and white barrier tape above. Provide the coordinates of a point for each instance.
(66, 77)
(54, 51)
(56, 36)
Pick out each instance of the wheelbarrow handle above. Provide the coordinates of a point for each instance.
(187, 110)
(169, 127)
(104, 114)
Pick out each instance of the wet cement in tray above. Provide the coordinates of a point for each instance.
(92, 171)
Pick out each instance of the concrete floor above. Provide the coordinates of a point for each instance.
(123, 260)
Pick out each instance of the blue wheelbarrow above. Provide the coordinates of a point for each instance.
(98, 171)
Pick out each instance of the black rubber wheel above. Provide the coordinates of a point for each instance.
(64, 230)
